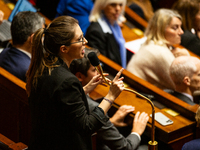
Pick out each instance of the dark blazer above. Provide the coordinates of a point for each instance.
(181, 96)
(60, 113)
(104, 42)
(15, 62)
(192, 145)
(191, 42)
(108, 137)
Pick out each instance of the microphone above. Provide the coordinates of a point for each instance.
(94, 60)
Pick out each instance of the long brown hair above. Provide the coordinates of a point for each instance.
(45, 51)
(188, 9)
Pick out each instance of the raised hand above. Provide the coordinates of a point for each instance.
(116, 86)
(93, 83)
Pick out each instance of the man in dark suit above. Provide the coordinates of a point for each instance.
(185, 72)
(108, 137)
(16, 58)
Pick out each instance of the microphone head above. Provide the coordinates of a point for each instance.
(94, 60)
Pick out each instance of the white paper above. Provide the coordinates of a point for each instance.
(135, 45)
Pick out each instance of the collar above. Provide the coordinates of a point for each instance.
(105, 27)
(25, 52)
(189, 96)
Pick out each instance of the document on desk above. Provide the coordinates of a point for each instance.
(134, 46)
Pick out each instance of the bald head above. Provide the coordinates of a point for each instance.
(183, 66)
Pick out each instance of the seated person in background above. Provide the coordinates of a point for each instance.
(152, 61)
(1, 16)
(16, 59)
(190, 13)
(104, 32)
(108, 137)
(79, 9)
(184, 72)
(142, 7)
(192, 145)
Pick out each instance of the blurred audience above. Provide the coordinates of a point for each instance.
(104, 32)
(155, 56)
(16, 58)
(184, 72)
(79, 9)
(190, 13)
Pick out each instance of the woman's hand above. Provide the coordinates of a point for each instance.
(140, 122)
(118, 118)
(116, 86)
(93, 83)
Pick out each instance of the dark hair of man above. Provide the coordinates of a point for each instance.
(24, 24)
(80, 65)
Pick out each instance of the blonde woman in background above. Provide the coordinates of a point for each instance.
(155, 56)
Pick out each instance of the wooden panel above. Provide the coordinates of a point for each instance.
(14, 111)
(135, 18)
(12, 145)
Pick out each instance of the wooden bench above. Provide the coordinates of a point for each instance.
(7, 144)
(14, 111)
(135, 19)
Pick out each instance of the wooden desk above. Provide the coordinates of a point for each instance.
(5, 9)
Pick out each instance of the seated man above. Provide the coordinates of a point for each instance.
(108, 137)
(16, 59)
(184, 72)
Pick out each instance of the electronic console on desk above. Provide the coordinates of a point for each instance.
(162, 119)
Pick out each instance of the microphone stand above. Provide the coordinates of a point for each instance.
(152, 145)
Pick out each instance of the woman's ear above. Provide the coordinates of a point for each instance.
(64, 49)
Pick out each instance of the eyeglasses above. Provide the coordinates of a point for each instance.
(81, 40)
